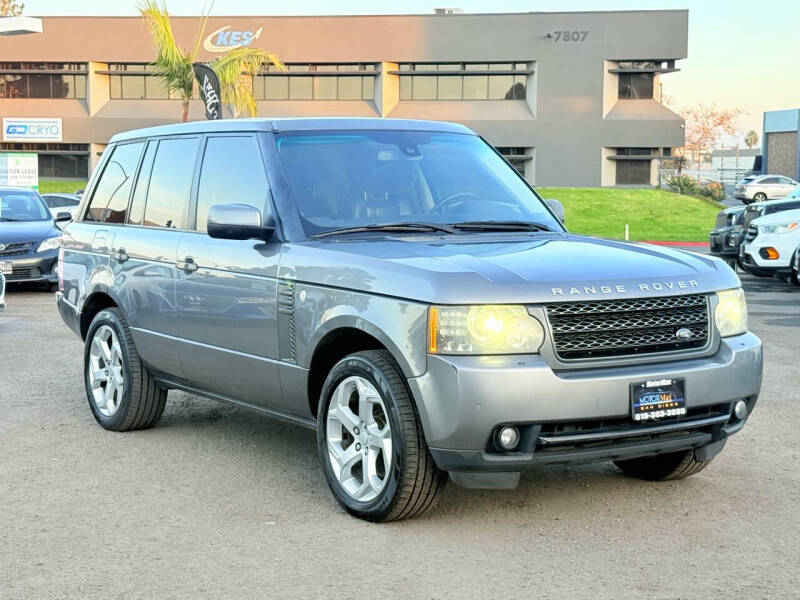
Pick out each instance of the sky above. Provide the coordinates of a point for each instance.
(742, 53)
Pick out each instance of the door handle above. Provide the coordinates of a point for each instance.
(120, 255)
(187, 265)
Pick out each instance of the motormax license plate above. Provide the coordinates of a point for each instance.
(6, 267)
(658, 399)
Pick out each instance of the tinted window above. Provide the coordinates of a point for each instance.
(136, 214)
(232, 172)
(170, 183)
(785, 181)
(346, 179)
(20, 205)
(635, 85)
(769, 180)
(110, 200)
(58, 201)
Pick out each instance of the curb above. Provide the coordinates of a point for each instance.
(661, 243)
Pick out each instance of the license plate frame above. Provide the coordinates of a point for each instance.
(658, 399)
(6, 267)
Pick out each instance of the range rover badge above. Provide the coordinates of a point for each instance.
(683, 334)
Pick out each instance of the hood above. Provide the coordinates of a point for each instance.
(783, 216)
(27, 231)
(504, 268)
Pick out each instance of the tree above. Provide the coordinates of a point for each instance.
(173, 63)
(751, 138)
(705, 125)
(10, 8)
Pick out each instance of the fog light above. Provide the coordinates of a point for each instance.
(769, 253)
(740, 409)
(54, 270)
(507, 437)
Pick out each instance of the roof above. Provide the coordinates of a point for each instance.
(740, 152)
(15, 188)
(293, 124)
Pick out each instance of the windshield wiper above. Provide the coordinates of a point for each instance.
(395, 227)
(500, 226)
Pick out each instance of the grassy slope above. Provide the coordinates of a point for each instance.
(70, 186)
(651, 214)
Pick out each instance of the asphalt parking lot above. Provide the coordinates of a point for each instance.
(220, 502)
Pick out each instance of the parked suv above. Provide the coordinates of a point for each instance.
(753, 212)
(724, 239)
(28, 237)
(771, 244)
(398, 287)
(763, 187)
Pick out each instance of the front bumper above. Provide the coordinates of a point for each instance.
(751, 256)
(33, 267)
(725, 243)
(462, 400)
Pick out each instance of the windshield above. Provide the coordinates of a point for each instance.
(20, 205)
(357, 178)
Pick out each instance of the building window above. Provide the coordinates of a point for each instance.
(516, 155)
(462, 81)
(305, 81)
(42, 80)
(635, 86)
(56, 160)
(137, 81)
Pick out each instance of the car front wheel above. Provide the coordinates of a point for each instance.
(370, 441)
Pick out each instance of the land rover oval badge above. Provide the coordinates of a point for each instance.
(2, 247)
(683, 334)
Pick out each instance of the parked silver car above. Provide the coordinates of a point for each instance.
(398, 287)
(757, 188)
(61, 203)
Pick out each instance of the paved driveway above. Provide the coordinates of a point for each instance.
(219, 502)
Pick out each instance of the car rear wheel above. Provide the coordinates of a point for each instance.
(663, 467)
(370, 441)
(122, 393)
(794, 278)
(760, 197)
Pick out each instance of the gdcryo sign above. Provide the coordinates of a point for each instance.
(225, 39)
(31, 130)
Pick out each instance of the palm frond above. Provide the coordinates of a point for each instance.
(201, 30)
(235, 70)
(172, 63)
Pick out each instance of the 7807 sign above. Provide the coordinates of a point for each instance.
(569, 36)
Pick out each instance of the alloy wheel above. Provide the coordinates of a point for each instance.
(106, 372)
(359, 439)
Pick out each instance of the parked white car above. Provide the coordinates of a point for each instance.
(58, 203)
(763, 187)
(770, 244)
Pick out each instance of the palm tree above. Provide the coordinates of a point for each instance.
(174, 64)
(751, 138)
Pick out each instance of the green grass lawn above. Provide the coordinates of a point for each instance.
(652, 215)
(70, 186)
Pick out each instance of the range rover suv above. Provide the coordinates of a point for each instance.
(399, 288)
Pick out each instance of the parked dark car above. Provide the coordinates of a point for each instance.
(28, 237)
(727, 234)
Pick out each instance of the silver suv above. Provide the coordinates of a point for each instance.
(399, 288)
(757, 188)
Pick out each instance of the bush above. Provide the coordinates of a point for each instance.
(714, 190)
(683, 184)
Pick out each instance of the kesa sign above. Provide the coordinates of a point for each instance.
(225, 39)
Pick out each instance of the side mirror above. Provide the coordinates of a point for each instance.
(556, 207)
(63, 216)
(234, 221)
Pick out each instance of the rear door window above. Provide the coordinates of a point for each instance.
(109, 203)
(170, 183)
(232, 171)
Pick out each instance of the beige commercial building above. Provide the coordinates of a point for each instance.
(572, 99)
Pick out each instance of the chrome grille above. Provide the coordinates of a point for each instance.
(752, 233)
(604, 328)
(16, 249)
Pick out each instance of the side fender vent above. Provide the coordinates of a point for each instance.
(286, 324)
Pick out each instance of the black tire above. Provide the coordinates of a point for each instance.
(52, 287)
(760, 197)
(143, 400)
(794, 277)
(414, 480)
(663, 467)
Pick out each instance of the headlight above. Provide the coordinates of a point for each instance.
(780, 227)
(731, 313)
(48, 244)
(489, 329)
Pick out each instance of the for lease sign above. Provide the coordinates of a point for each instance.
(19, 169)
(31, 130)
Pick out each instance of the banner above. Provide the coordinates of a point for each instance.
(19, 169)
(209, 90)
